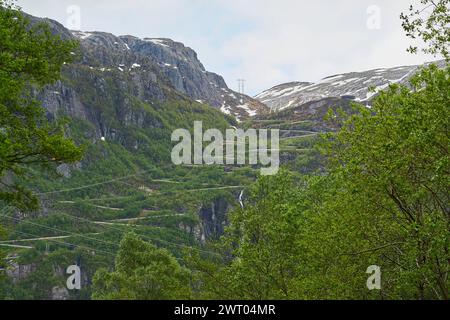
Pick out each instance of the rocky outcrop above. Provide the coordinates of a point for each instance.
(60, 293)
(17, 271)
(213, 218)
(187, 75)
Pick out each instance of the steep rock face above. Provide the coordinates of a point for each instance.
(213, 218)
(98, 89)
(355, 85)
(59, 293)
(18, 272)
(169, 62)
(180, 65)
(187, 75)
(106, 99)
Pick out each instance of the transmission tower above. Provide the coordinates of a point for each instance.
(241, 86)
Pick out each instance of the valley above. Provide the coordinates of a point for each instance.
(121, 99)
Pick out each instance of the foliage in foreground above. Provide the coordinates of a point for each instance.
(384, 202)
(30, 57)
(142, 271)
(429, 21)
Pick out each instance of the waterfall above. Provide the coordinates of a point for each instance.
(240, 199)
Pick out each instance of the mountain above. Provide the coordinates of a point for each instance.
(174, 61)
(165, 60)
(300, 109)
(354, 86)
(122, 98)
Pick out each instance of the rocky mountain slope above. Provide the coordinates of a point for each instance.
(124, 97)
(354, 85)
(159, 61)
(174, 61)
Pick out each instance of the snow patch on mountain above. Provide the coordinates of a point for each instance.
(81, 35)
(160, 42)
(247, 109)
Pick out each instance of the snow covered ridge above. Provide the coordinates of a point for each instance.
(241, 107)
(239, 111)
(81, 35)
(160, 42)
(354, 85)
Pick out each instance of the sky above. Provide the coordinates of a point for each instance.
(265, 42)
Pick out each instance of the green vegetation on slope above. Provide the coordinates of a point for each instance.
(384, 202)
(373, 193)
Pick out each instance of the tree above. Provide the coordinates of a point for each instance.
(430, 23)
(384, 202)
(142, 272)
(2, 260)
(391, 165)
(30, 57)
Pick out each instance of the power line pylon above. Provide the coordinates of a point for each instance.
(241, 86)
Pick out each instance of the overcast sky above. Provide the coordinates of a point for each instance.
(266, 42)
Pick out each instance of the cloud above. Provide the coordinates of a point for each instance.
(306, 40)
